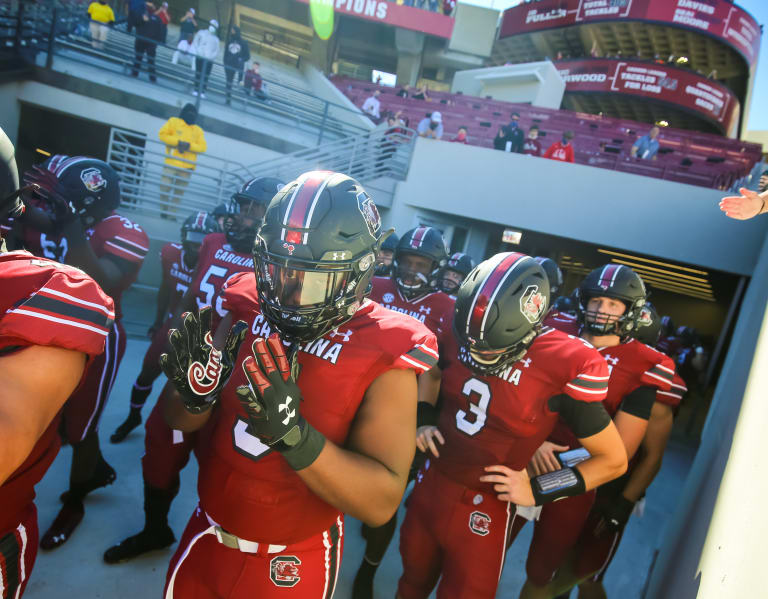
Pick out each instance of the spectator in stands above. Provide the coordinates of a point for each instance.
(236, 54)
(136, 10)
(403, 92)
(372, 106)
(561, 150)
(165, 17)
(188, 24)
(532, 145)
(431, 126)
(647, 146)
(102, 18)
(149, 32)
(748, 205)
(185, 52)
(421, 94)
(448, 7)
(206, 46)
(763, 183)
(500, 141)
(183, 140)
(461, 136)
(255, 83)
(514, 134)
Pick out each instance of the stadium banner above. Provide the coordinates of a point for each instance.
(682, 88)
(396, 15)
(719, 18)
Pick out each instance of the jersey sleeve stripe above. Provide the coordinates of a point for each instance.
(664, 380)
(579, 389)
(61, 308)
(419, 365)
(682, 388)
(665, 369)
(48, 317)
(429, 350)
(133, 243)
(664, 372)
(588, 384)
(422, 357)
(72, 298)
(120, 249)
(669, 394)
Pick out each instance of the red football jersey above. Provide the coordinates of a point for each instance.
(435, 309)
(115, 235)
(567, 323)
(632, 365)
(249, 489)
(217, 263)
(674, 396)
(46, 303)
(503, 419)
(176, 274)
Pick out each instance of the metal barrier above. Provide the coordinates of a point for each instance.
(59, 31)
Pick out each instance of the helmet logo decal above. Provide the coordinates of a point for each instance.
(532, 304)
(290, 247)
(93, 179)
(370, 213)
(645, 319)
(204, 379)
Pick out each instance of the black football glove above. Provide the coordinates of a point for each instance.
(614, 514)
(198, 370)
(271, 399)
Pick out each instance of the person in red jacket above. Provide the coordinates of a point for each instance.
(561, 150)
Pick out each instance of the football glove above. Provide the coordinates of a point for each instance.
(198, 370)
(50, 190)
(271, 400)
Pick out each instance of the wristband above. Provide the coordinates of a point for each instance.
(426, 414)
(559, 484)
(301, 446)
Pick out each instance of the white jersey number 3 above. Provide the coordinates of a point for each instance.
(471, 422)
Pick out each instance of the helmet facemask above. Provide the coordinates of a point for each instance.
(450, 284)
(484, 361)
(600, 323)
(242, 223)
(410, 280)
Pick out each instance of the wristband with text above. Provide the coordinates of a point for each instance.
(559, 484)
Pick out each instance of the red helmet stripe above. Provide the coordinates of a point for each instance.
(487, 292)
(200, 220)
(418, 237)
(65, 164)
(302, 204)
(608, 276)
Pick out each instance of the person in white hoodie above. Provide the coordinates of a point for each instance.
(206, 49)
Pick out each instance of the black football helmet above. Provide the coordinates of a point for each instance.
(648, 326)
(460, 263)
(498, 312)
(421, 241)
(618, 282)
(11, 205)
(196, 226)
(667, 326)
(388, 245)
(245, 210)
(90, 186)
(564, 304)
(554, 274)
(314, 254)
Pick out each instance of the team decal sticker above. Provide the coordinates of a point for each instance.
(370, 213)
(533, 304)
(480, 523)
(388, 298)
(92, 179)
(284, 570)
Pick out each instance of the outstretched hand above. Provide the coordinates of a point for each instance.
(748, 205)
(510, 485)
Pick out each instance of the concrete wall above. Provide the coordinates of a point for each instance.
(619, 210)
(474, 30)
(537, 83)
(323, 88)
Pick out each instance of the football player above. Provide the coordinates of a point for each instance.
(81, 228)
(386, 255)
(505, 381)
(419, 257)
(610, 302)
(167, 451)
(177, 262)
(53, 320)
(554, 275)
(615, 501)
(300, 434)
(454, 272)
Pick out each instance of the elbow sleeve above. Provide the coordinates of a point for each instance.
(639, 402)
(583, 418)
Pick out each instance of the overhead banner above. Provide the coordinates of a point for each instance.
(682, 88)
(718, 18)
(396, 15)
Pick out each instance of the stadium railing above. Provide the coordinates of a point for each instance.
(61, 31)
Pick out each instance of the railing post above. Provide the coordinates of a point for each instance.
(19, 26)
(51, 38)
(322, 124)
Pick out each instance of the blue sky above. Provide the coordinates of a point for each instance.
(758, 119)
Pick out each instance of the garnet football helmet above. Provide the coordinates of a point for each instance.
(388, 245)
(648, 326)
(88, 186)
(459, 263)
(245, 210)
(554, 274)
(314, 254)
(10, 194)
(427, 242)
(196, 226)
(617, 282)
(498, 312)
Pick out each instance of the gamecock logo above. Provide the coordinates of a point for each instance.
(92, 179)
(533, 304)
(370, 213)
(203, 379)
(284, 570)
(480, 523)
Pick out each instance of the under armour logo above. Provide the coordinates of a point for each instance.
(339, 256)
(290, 248)
(526, 363)
(283, 407)
(337, 333)
(425, 309)
(609, 358)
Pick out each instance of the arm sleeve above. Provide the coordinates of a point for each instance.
(422, 355)
(198, 144)
(660, 374)
(548, 152)
(571, 154)
(583, 418)
(130, 245)
(639, 402)
(167, 134)
(674, 396)
(589, 380)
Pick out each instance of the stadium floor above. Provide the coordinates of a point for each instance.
(76, 570)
